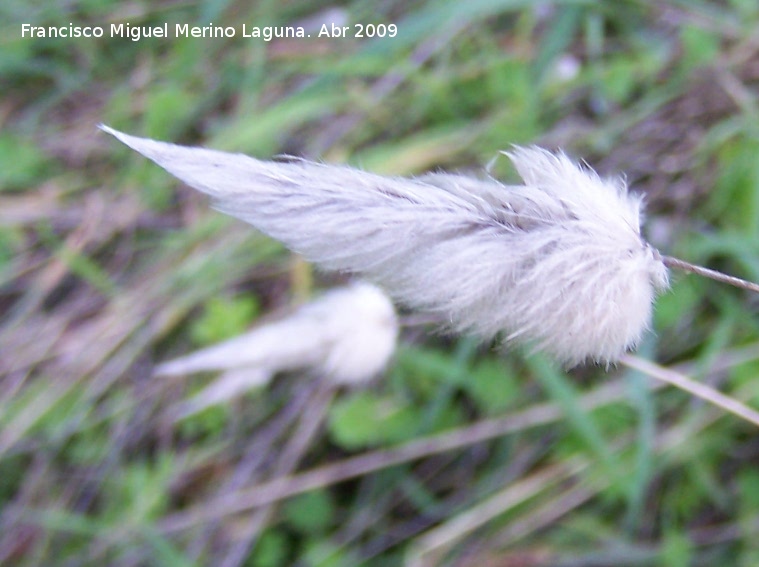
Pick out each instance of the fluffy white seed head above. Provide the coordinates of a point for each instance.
(347, 335)
(558, 263)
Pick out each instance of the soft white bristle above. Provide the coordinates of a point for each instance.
(558, 263)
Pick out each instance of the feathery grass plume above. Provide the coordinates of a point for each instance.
(558, 263)
(347, 336)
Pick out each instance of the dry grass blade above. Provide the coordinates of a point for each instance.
(557, 505)
(691, 386)
(280, 488)
(253, 462)
(284, 487)
(437, 540)
(563, 503)
(293, 452)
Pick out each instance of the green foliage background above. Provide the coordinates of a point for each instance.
(108, 265)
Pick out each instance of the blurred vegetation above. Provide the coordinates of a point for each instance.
(108, 265)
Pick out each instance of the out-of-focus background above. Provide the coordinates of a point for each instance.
(108, 265)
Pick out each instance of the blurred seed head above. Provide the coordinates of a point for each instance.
(347, 336)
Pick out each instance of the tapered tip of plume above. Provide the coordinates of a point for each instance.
(215, 173)
(133, 142)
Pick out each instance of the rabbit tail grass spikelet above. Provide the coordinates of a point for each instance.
(346, 336)
(557, 263)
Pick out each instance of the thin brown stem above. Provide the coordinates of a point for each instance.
(707, 273)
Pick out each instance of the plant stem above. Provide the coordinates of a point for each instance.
(707, 273)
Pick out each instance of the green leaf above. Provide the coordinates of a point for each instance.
(557, 384)
(167, 107)
(676, 550)
(681, 301)
(425, 364)
(310, 513)
(22, 163)
(271, 550)
(736, 205)
(748, 490)
(561, 31)
(492, 386)
(324, 553)
(366, 419)
(224, 318)
(700, 46)
(748, 9)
